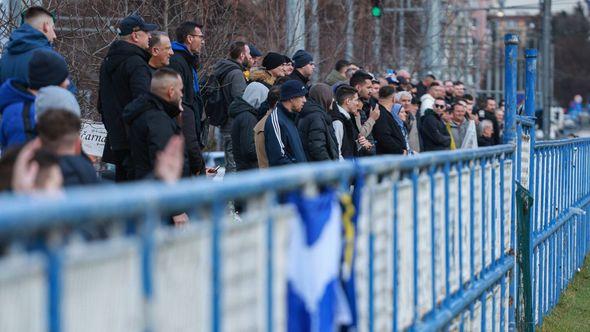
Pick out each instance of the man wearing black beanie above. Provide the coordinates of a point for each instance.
(17, 98)
(272, 68)
(304, 67)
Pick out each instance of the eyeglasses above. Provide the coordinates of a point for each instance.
(440, 106)
(200, 36)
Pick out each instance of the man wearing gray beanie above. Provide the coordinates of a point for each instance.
(55, 97)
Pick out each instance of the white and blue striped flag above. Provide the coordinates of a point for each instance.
(315, 299)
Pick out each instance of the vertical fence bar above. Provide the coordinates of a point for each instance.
(530, 81)
(511, 68)
(217, 293)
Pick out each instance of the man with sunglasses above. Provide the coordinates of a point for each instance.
(124, 76)
(36, 32)
(433, 130)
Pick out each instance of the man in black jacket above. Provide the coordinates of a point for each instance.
(369, 113)
(233, 83)
(315, 125)
(304, 67)
(387, 132)
(124, 76)
(152, 120)
(188, 44)
(433, 130)
(350, 141)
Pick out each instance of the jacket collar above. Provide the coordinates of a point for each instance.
(170, 109)
(287, 113)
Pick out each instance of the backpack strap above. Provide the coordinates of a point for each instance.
(28, 126)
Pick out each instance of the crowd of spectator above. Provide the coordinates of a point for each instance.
(157, 104)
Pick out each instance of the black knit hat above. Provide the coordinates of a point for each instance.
(47, 68)
(302, 58)
(273, 60)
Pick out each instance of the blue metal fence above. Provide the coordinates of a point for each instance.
(435, 248)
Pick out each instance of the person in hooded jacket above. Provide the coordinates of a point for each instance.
(152, 120)
(315, 125)
(185, 60)
(17, 98)
(233, 83)
(37, 32)
(124, 76)
(433, 130)
(243, 111)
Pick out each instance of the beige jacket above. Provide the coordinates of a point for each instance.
(259, 141)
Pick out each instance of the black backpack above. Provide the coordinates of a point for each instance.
(213, 99)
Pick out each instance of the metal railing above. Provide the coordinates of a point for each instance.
(436, 243)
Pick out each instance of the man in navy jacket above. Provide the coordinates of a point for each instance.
(282, 142)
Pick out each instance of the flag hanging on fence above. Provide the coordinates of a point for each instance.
(315, 299)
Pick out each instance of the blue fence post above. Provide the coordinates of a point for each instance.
(529, 110)
(531, 81)
(511, 67)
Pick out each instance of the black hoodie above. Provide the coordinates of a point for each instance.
(152, 123)
(124, 76)
(242, 134)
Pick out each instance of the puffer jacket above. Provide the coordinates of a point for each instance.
(316, 133)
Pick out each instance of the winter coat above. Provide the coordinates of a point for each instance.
(434, 132)
(346, 132)
(492, 117)
(366, 124)
(259, 141)
(281, 139)
(242, 134)
(185, 63)
(152, 123)
(485, 141)
(316, 133)
(77, 170)
(296, 75)
(18, 52)
(13, 99)
(124, 76)
(261, 75)
(388, 135)
(233, 83)
(334, 77)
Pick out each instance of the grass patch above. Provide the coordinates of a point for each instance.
(572, 313)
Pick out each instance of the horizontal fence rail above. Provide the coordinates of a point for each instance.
(435, 244)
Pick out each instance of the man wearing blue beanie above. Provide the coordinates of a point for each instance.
(304, 67)
(281, 138)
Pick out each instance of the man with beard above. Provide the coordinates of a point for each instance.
(153, 120)
(232, 81)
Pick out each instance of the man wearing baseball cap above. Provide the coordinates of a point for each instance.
(282, 142)
(124, 76)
